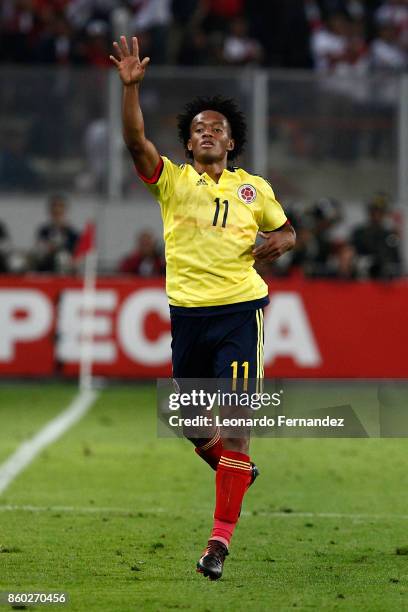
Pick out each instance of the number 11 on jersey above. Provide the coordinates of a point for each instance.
(217, 212)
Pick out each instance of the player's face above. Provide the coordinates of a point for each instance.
(210, 137)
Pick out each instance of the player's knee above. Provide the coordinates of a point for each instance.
(198, 439)
(239, 445)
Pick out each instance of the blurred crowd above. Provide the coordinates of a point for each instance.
(328, 35)
(371, 250)
(332, 37)
(65, 144)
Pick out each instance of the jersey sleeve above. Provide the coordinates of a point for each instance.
(162, 184)
(273, 214)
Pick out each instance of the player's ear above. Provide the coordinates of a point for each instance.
(189, 145)
(231, 144)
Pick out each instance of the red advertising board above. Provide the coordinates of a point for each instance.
(312, 328)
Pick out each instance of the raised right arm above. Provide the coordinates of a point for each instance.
(131, 71)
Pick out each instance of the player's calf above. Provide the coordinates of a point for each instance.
(211, 450)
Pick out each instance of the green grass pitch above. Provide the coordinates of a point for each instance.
(117, 517)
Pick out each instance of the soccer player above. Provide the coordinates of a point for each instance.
(211, 216)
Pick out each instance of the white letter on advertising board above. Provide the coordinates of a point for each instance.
(131, 327)
(71, 325)
(34, 324)
(288, 332)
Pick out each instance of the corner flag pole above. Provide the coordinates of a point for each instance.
(87, 249)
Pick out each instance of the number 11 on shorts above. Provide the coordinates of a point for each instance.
(234, 366)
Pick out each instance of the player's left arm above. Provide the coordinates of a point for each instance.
(277, 242)
(275, 228)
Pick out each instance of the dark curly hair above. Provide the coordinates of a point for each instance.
(225, 106)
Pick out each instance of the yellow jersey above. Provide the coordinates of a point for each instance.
(209, 232)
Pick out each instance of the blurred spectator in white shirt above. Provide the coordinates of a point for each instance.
(151, 22)
(340, 51)
(239, 47)
(80, 12)
(386, 54)
(96, 145)
(395, 13)
(329, 44)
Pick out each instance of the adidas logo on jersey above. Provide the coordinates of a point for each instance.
(201, 181)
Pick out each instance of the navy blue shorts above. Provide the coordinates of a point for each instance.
(220, 345)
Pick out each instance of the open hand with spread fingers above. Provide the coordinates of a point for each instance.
(131, 69)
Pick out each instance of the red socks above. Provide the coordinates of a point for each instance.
(234, 472)
(211, 451)
(231, 482)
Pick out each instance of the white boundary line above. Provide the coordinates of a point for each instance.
(78, 509)
(53, 430)
(135, 512)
